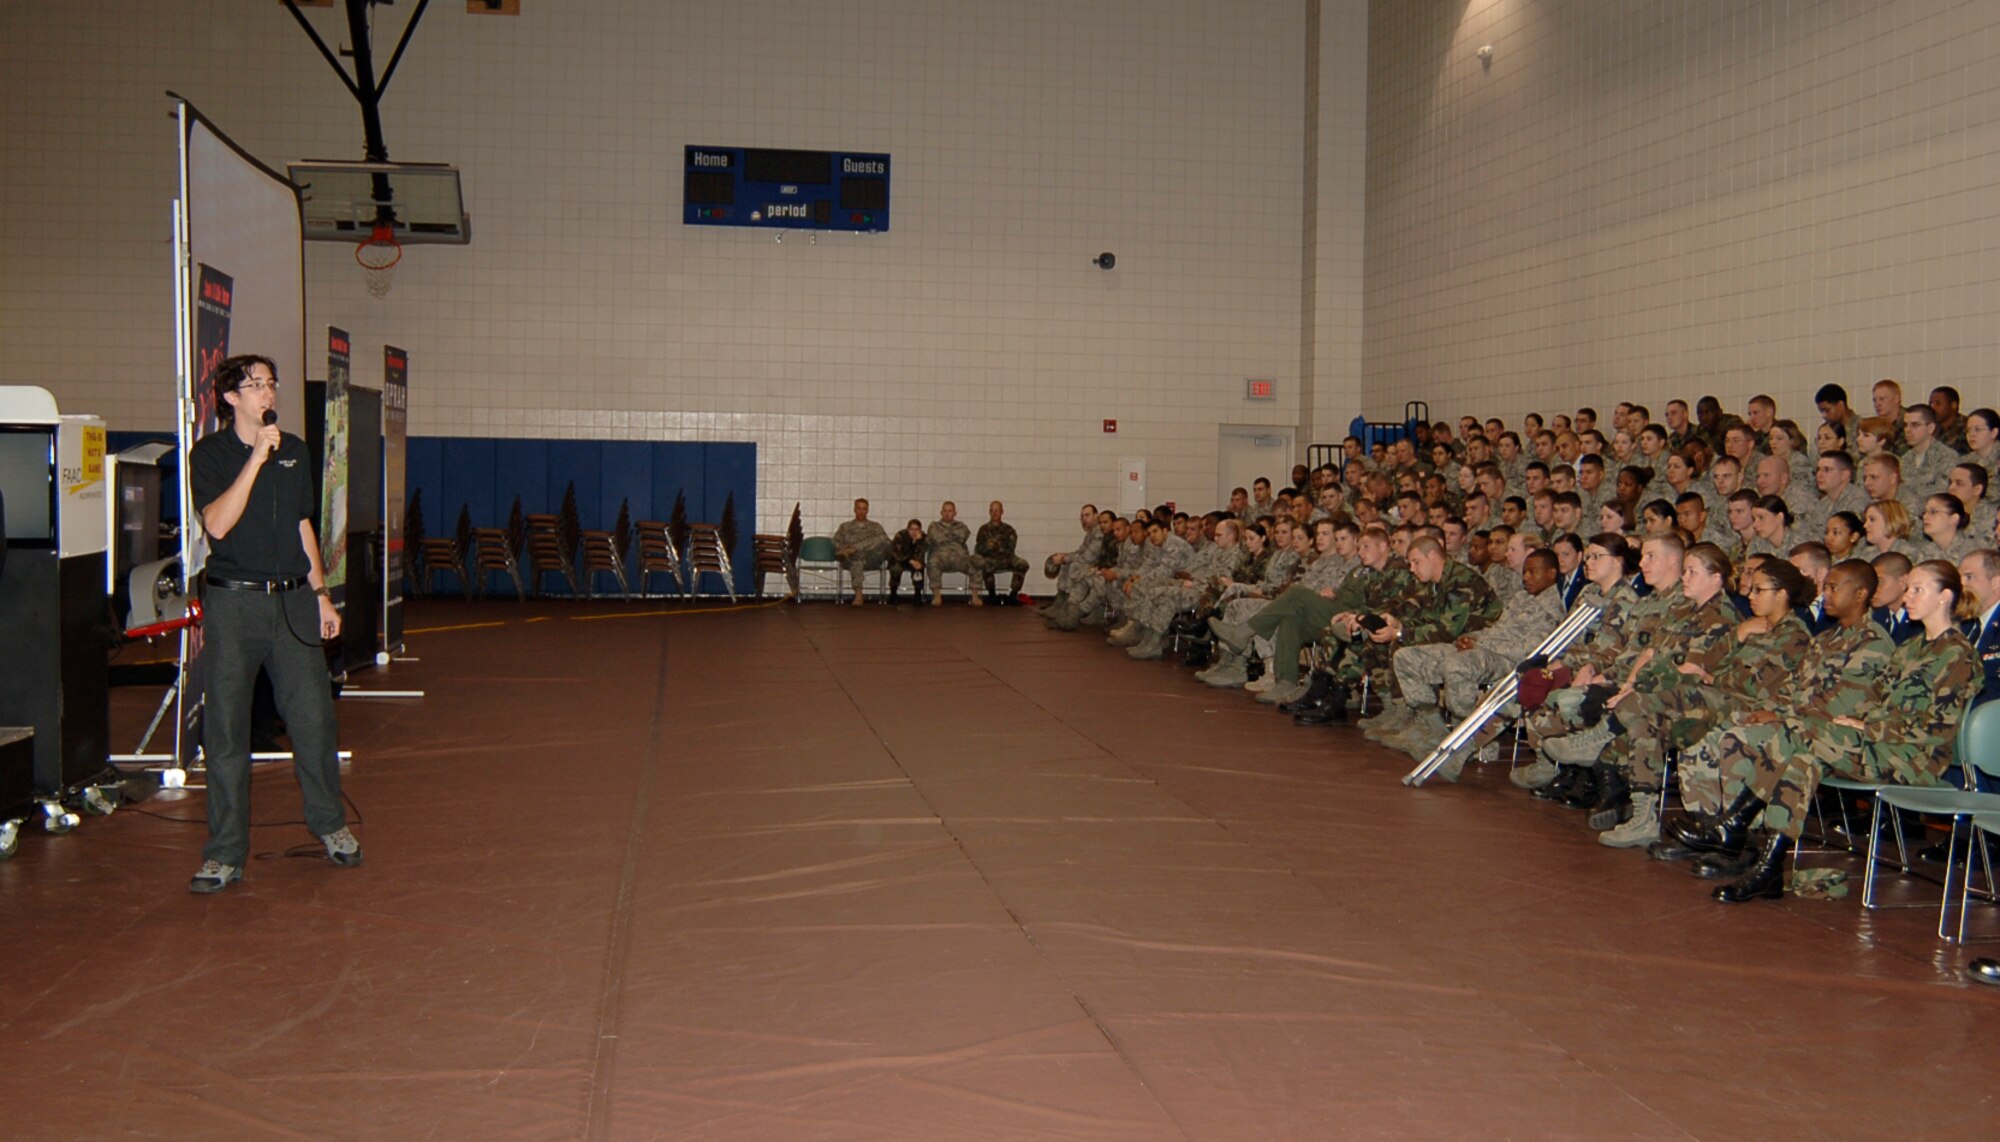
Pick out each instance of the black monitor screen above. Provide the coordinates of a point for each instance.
(864, 194)
(28, 482)
(815, 167)
(711, 188)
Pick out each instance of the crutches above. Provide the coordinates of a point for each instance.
(1501, 693)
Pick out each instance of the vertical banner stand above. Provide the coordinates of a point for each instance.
(395, 445)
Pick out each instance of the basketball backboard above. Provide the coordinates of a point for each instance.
(342, 201)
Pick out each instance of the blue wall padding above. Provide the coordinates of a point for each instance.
(484, 475)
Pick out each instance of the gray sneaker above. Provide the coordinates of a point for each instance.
(342, 849)
(214, 877)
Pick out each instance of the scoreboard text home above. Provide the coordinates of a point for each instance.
(786, 190)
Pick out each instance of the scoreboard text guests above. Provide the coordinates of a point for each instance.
(786, 190)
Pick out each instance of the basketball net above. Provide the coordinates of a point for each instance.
(378, 255)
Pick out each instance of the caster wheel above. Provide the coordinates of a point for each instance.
(10, 838)
(99, 800)
(58, 820)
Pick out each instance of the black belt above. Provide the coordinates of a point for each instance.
(267, 586)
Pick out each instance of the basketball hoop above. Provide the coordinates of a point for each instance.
(378, 255)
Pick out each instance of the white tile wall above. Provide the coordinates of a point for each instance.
(1642, 200)
(972, 352)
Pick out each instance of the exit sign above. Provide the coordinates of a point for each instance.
(1258, 389)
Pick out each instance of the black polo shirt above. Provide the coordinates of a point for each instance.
(264, 544)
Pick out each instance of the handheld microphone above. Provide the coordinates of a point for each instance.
(270, 416)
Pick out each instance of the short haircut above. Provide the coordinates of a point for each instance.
(1590, 460)
(1863, 571)
(1814, 554)
(1763, 401)
(1924, 413)
(1840, 460)
(1569, 498)
(1830, 394)
(1889, 564)
(1426, 544)
(1975, 471)
(1673, 543)
(1543, 556)
(1947, 392)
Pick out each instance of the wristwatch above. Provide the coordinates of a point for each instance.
(323, 593)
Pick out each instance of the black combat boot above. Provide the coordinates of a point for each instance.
(1614, 799)
(1253, 666)
(1200, 653)
(1765, 879)
(1726, 835)
(1584, 795)
(1316, 692)
(1560, 788)
(1331, 712)
(1723, 866)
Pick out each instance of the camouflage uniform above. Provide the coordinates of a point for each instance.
(1460, 602)
(1505, 581)
(1963, 544)
(1156, 600)
(870, 544)
(1926, 470)
(1091, 589)
(903, 549)
(1274, 575)
(993, 550)
(1680, 715)
(1911, 705)
(1812, 518)
(1625, 624)
(1693, 634)
(1462, 674)
(1082, 561)
(1300, 615)
(948, 553)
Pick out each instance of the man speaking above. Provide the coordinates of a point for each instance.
(266, 607)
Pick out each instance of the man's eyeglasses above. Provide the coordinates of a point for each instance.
(258, 385)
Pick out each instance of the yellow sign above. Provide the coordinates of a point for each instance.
(93, 453)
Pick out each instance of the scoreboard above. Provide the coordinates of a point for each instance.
(786, 190)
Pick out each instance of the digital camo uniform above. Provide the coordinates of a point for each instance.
(1680, 715)
(1911, 710)
(1925, 472)
(1082, 561)
(1963, 544)
(1278, 571)
(1505, 581)
(1812, 518)
(1156, 563)
(1157, 599)
(1421, 671)
(870, 544)
(1837, 670)
(993, 550)
(948, 541)
(1089, 590)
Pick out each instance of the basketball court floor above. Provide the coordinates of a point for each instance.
(813, 872)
